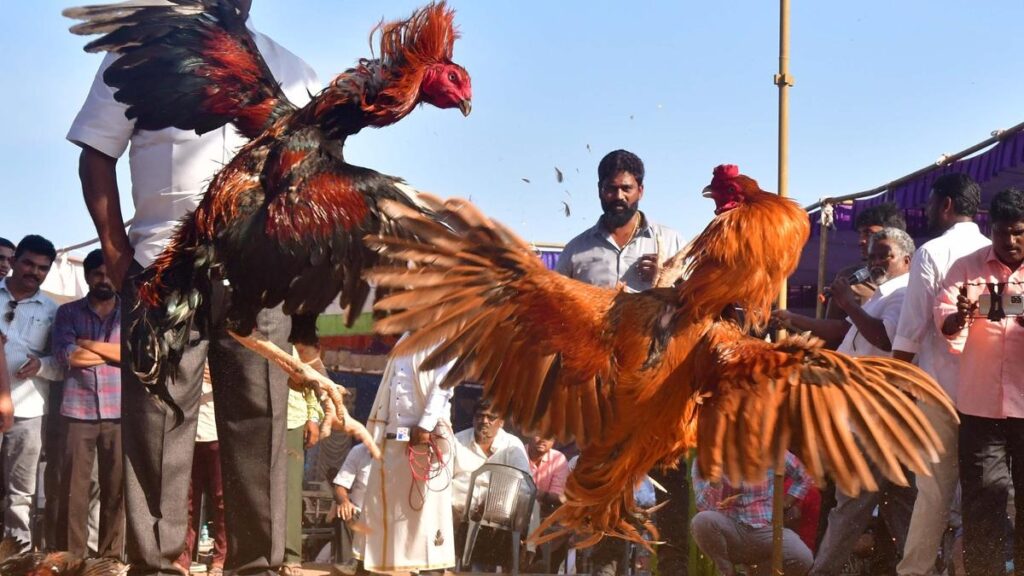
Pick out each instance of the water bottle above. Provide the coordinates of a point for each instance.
(204, 535)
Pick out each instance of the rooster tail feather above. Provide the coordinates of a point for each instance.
(170, 298)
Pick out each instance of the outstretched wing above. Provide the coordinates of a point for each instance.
(535, 339)
(191, 64)
(760, 399)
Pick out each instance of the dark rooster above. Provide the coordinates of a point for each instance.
(14, 562)
(284, 220)
(639, 379)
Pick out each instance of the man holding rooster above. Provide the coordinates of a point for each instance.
(169, 172)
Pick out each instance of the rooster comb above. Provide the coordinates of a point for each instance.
(724, 176)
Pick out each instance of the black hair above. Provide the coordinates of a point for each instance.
(886, 215)
(1007, 206)
(37, 245)
(962, 190)
(5, 243)
(620, 161)
(93, 260)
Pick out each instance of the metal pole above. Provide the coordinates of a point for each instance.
(783, 81)
(822, 260)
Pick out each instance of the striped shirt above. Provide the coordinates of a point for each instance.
(748, 504)
(92, 393)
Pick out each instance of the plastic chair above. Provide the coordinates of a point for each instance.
(505, 502)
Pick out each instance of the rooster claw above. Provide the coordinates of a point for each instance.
(303, 375)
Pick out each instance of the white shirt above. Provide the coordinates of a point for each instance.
(206, 430)
(29, 333)
(885, 305)
(469, 456)
(354, 474)
(916, 331)
(414, 402)
(170, 168)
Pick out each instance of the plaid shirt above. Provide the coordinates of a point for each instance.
(92, 393)
(749, 504)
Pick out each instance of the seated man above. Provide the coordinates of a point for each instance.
(734, 522)
(349, 489)
(550, 470)
(485, 443)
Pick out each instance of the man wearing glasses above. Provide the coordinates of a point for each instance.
(25, 323)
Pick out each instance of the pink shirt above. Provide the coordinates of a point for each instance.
(991, 381)
(550, 475)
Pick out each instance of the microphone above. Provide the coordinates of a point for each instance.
(859, 276)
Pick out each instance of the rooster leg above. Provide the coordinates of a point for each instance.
(331, 395)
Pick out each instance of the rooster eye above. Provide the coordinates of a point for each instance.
(452, 77)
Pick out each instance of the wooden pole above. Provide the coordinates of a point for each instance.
(783, 81)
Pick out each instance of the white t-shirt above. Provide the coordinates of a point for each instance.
(885, 305)
(354, 474)
(170, 168)
(916, 331)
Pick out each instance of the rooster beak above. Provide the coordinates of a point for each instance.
(466, 106)
(706, 192)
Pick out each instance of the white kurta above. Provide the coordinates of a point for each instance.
(409, 520)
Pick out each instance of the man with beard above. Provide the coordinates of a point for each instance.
(626, 249)
(870, 332)
(26, 316)
(87, 344)
(951, 208)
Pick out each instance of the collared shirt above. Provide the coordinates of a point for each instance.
(506, 449)
(409, 407)
(354, 474)
(170, 168)
(992, 353)
(29, 333)
(884, 304)
(92, 393)
(749, 504)
(551, 472)
(916, 331)
(594, 257)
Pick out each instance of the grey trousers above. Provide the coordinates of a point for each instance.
(19, 448)
(250, 396)
(727, 543)
(848, 520)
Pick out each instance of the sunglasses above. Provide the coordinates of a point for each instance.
(9, 316)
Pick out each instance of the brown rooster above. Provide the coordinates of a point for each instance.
(639, 379)
(14, 562)
(284, 220)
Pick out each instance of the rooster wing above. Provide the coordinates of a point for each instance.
(538, 341)
(756, 400)
(190, 64)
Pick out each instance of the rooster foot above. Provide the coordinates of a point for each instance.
(313, 375)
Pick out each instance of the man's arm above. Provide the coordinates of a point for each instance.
(106, 351)
(871, 328)
(98, 173)
(830, 330)
(916, 313)
(6, 405)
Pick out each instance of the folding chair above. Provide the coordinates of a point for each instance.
(501, 498)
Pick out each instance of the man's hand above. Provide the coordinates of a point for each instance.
(843, 295)
(965, 308)
(29, 369)
(310, 434)
(647, 267)
(419, 436)
(6, 412)
(784, 319)
(346, 510)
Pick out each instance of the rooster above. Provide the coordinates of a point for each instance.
(14, 562)
(639, 379)
(284, 220)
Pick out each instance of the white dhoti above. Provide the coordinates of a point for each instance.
(409, 520)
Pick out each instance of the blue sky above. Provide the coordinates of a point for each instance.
(882, 88)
